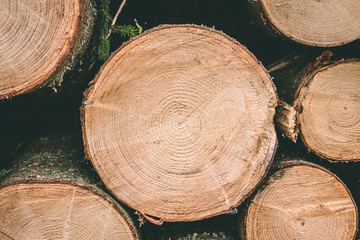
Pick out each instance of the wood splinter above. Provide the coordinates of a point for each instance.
(325, 106)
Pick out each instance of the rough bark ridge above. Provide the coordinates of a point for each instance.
(300, 200)
(179, 123)
(42, 41)
(325, 106)
(316, 23)
(51, 192)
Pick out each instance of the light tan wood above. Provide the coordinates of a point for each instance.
(59, 211)
(302, 202)
(330, 117)
(286, 120)
(35, 39)
(179, 123)
(315, 22)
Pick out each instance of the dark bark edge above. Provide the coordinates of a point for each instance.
(287, 162)
(91, 89)
(79, 44)
(95, 190)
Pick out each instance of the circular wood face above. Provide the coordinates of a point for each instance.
(36, 37)
(59, 211)
(315, 22)
(302, 202)
(330, 120)
(179, 123)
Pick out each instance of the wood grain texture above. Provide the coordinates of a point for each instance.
(330, 117)
(302, 201)
(60, 211)
(315, 23)
(325, 99)
(40, 40)
(179, 123)
(52, 192)
(285, 119)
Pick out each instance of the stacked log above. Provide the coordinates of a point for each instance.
(301, 200)
(41, 41)
(179, 123)
(325, 110)
(51, 193)
(315, 23)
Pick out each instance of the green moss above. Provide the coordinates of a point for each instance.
(4, 172)
(204, 235)
(86, 26)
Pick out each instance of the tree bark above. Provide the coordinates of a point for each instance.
(179, 123)
(300, 200)
(314, 24)
(324, 111)
(203, 236)
(194, 235)
(51, 193)
(222, 227)
(42, 41)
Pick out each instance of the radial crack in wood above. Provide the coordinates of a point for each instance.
(301, 201)
(51, 192)
(330, 117)
(187, 128)
(325, 111)
(59, 211)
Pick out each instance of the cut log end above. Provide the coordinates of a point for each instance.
(330, 117)
(302, 201)
(317, 22)
(38, 37)
(179, 123)
(60, 210)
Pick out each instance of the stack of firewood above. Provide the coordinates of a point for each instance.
(182, 133)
